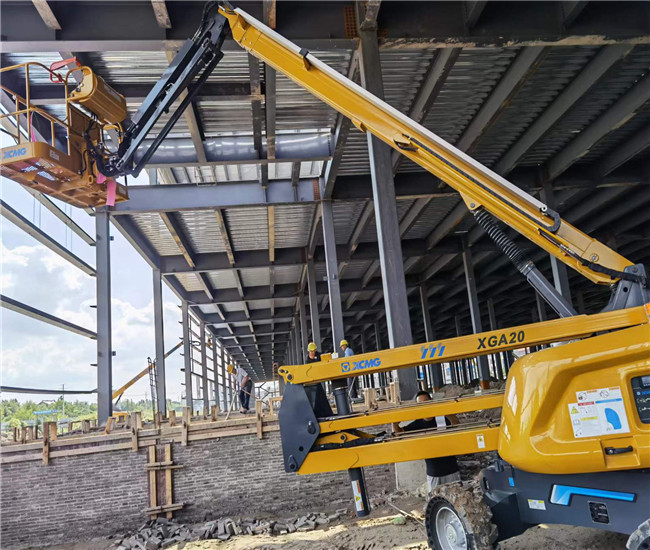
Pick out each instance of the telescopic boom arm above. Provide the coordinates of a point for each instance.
(187, 72)
(486, 194)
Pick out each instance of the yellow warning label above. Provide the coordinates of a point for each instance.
(574, 410)
(356, 490)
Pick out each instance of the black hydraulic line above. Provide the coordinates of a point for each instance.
(197, 58)
(523, 263)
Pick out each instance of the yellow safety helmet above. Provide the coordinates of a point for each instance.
(230, 369)
(311, 347)
(344, 343)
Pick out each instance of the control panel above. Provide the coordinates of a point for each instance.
(641, 392)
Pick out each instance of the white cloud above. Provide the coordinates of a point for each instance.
(35, 354)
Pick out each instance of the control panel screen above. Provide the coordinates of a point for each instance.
(641, 392)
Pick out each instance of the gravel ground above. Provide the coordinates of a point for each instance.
(379, 532)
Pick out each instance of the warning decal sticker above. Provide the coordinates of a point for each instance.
(358, 501)
(598, 412)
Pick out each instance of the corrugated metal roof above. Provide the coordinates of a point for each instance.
(284, 275)
(474, 75)
(346, 217)
(248, 228)
(290, 224)
(639, 123)
(370, 233)
(354, 269)
(432, 215)
(595, 102)
(255, 277)
(558, 67)
(202, 230)
(222, 279)
(190, 281)
(154, 229)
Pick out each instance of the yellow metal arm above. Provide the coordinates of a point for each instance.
(479, 187)
(117, 393)
(409, 412)
(464, 347)
(405, 447)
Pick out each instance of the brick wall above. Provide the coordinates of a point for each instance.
(245, 475)
(95, 495)
(72, 497)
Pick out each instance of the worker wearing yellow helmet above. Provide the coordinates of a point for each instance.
(313, 355)
(347, 350)
(352, 382)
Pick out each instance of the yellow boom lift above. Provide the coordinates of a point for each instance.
(50, 153)
(149, 369)
(573, 441)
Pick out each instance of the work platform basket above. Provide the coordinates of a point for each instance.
(50, 150)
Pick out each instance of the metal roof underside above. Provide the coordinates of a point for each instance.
(249, 292)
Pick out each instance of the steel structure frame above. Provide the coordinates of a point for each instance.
(426, 297)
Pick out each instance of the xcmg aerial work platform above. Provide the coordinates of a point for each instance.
(573, 441)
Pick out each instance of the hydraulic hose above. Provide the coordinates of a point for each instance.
(516, 255)
(523, 263)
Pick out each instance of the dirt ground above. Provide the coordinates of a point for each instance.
(380, 533)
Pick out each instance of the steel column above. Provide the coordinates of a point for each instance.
(187, 353)
(159, 335)
(204, 368)
(313, 304)
(493, 326)
(224, 373)
(435, 371)
(104, 335)
(475, 312)
(387, 221)
(303, 322)
(297, 342)
(331, 263)
(215, 372)
(231, 389)
(381, 377)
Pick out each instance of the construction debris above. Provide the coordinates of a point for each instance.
(163, 533)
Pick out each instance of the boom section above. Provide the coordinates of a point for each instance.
(480, 187)
(464, 347)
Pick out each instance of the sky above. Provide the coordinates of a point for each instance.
(37, 355)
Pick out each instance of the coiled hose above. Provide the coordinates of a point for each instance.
(505, 243)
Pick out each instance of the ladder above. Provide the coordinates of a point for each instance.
(153, 383)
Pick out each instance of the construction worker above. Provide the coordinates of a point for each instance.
(440, 470)
(245, 385)
(347, 350)
(352, 382)
(313, 355)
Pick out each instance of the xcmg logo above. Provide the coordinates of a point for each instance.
(429, 352)
(360, 365)
(14, 153)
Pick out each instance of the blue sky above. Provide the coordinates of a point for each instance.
(35, 354)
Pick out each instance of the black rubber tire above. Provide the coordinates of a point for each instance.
(466, 500)
(640, 539)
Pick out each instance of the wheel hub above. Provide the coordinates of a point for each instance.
(451, 535)
(450, 530)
